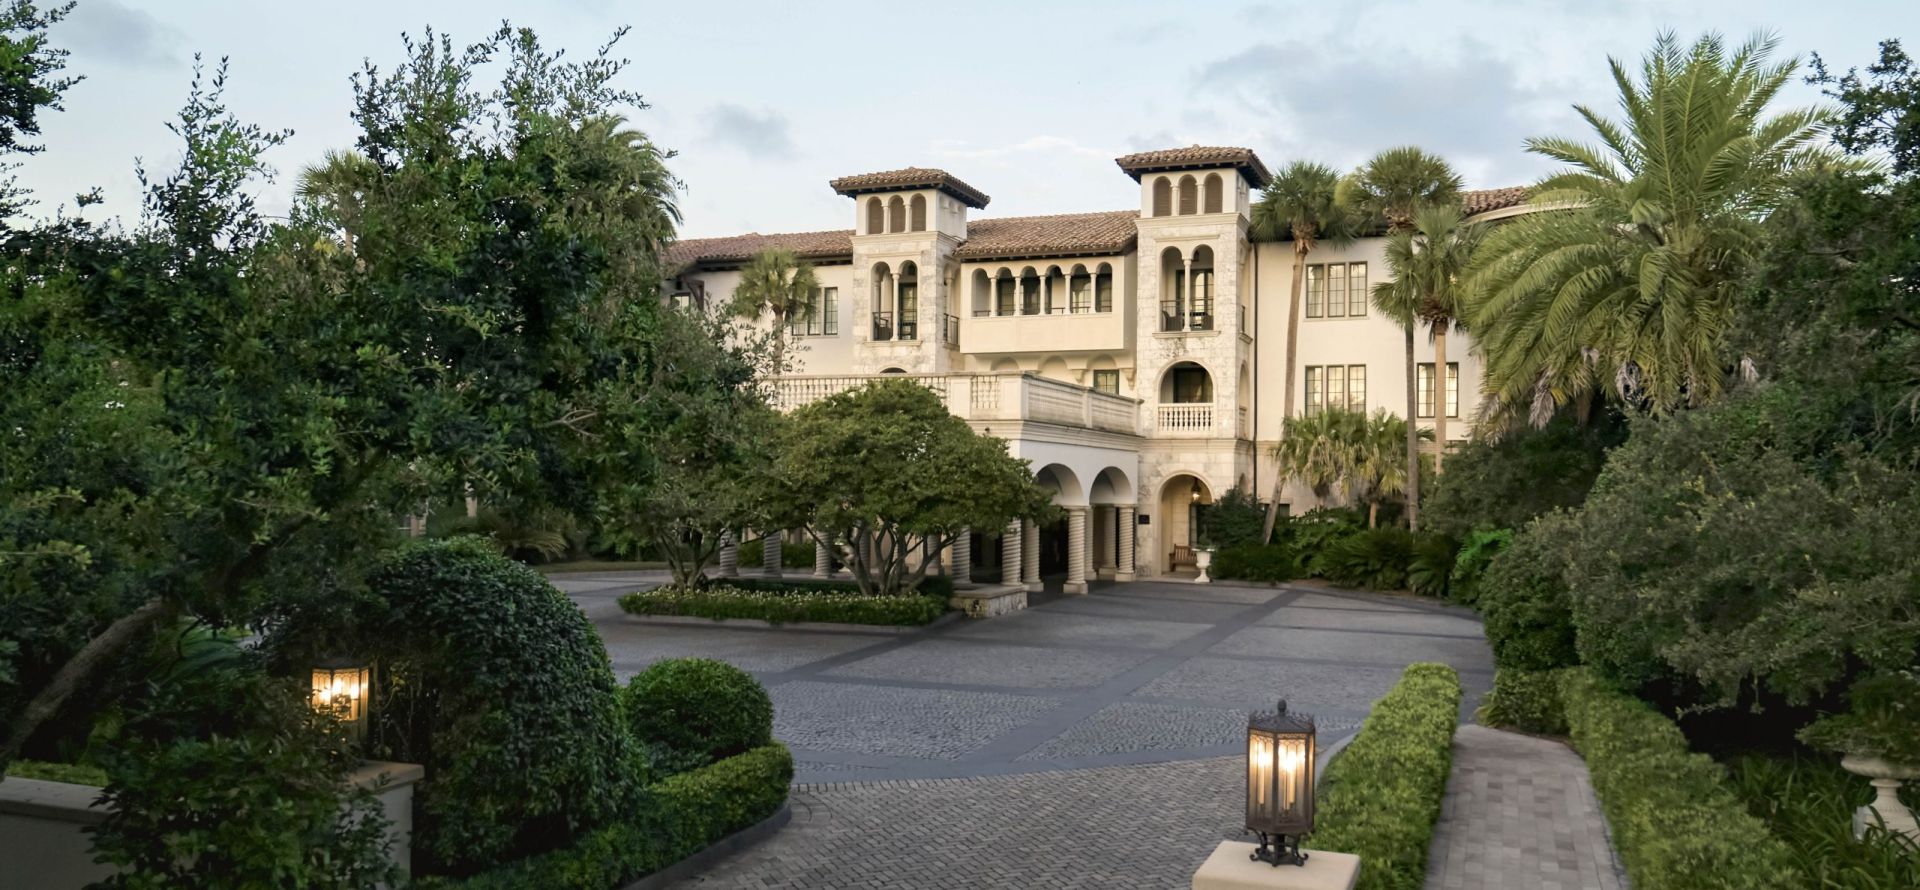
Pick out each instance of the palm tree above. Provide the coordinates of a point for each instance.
(1379, 466)
(1427, 262)
(1395, 185)
(776, 283)
(1303, 203)
(339, 184)
(1347, 450)
(1626, 280)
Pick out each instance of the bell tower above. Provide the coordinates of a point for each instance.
(907, 224)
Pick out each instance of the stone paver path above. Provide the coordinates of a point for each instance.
(1519, 815)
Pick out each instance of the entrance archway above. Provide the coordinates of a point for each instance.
(1181, 498)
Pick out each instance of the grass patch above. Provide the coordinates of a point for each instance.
(789, 603)
(1381, 795)
(1808, 802)
(72, 773)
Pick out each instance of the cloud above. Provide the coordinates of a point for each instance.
(763, 135)
(1042, 144)
(115, 33)
(1340, 103)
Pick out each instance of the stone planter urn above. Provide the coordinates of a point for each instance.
(1201, 560)
(1886, 807)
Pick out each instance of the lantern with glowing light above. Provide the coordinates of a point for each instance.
(342, 688)
(1280, 752)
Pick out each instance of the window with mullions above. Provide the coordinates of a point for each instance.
(1107, 381)
(1336, 386)
(1453, 389)
(818, 316)
(1337, 290)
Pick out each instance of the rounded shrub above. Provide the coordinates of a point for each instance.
(1524, 601)
(1270, 563)
(499, 685)
(699, 706)
(1377, 559)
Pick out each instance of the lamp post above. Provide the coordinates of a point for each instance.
(1280, 757)
(342, 687)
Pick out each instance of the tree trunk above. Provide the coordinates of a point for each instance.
(1373, 514)
(1286, 396)
(1413, 436)
(81, 668)
(1439, 392)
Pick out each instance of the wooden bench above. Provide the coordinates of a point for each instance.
(1183, 556)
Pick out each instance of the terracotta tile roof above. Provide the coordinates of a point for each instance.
(1197, 156)
(1483, 200)
(909, 178)
(1066, 234)
(740, 248)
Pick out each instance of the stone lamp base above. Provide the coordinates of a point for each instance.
(1231, 867)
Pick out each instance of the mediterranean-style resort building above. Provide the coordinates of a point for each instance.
(1135, 357)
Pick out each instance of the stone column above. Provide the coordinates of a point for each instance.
(822, 560)
(1100, 540)
(1031, 562)
(770, 553)
(1186, 297)
(1076, 550)
(1128, 528)
(1010, 551)
(729, 556)
(963, 559)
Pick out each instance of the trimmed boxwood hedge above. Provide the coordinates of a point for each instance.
(684, 814)
(1528, 701)
(1380, 798)
(782, 606)
(1677, 822)
(932, 585)
(702, 707)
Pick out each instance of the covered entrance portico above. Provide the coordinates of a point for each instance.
(1178, 510)
(1093, 487)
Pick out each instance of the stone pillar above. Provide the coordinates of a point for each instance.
(1031, 562)
(1186, 297)
(1076, 550)
(963, 559)
(1010, 551)
(770, 553)
(1128, 528)
(822, 560)
(729, 556)
(1100, 541)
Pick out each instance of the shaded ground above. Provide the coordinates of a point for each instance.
(1520, 815)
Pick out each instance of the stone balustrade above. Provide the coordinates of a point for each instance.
(1001, 396)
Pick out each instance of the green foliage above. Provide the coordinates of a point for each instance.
(1315, 530)
(1234, 519)
(1882, 720)
(1675, 819)
(1362, 456)
(785, 605)
(887, 468)
(937, 586)
(1504, 481)
(1808, 803)
(1380, 797)
(1627, 287)
(203, 793)
(1529, 701)
(1430, 571)
(71, 773)
(1880, 111)
(1264, 563)
(752, 554)
(1376, 558)
(497, 684)
(29, 82)
(1471, 562)
(546, 536)
(699, 705)
(686, 813)
(1524, 601)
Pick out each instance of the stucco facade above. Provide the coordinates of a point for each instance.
(1136, 358)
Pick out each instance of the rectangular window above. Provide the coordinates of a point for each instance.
(1336, 290)
(1316, 389)
(1103, 293)
(1336, 386)
(1107, 381)
(1357, 387)
(830, 316)
(1357, 294)
(1453, 389)
(1316, 290)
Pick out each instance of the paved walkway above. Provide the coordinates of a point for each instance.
(1519, 815)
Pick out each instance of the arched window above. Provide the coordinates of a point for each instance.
(1103, 289)
(1213, 193)
(982, 294)
(1189, 196)
(908, 304)
(1200, 293)
(1186, 383)
(919, 213)
(1006, 293)
(1163, 196)
(896, 214)
(874, 214)
(1173, 290)
(882, 302)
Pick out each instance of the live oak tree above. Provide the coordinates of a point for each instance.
(217, 418)
(887, 472)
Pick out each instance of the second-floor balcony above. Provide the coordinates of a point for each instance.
(1007, 396)
(988, 333)
(1173, 317)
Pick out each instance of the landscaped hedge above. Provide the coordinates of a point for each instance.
(1270, 563)
(1677, 823)
(1380, 797)
(684, 815)
(932, 585)
(1528, 701)
(707, 709)
(786, 606)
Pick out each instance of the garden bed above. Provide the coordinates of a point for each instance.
(781, 603)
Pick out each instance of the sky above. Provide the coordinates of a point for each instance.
(1028, 101)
